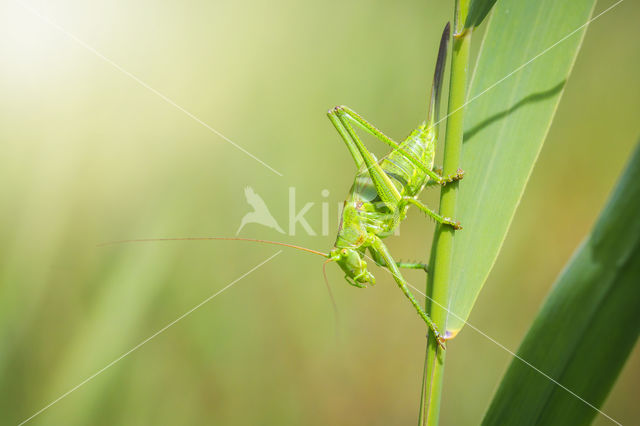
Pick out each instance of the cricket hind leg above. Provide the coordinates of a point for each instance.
(435, 216)
(345, 112)
(383, 252)
(385, 188)
(353, 149)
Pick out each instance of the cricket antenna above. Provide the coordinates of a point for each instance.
(146, 240)
(436, 88)
(333, 300)
(277, 243)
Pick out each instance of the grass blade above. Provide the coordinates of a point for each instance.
(587, 327)
(506, 123)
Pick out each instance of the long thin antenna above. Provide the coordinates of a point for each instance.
(326, 281)
(146, 240)
(333, 300)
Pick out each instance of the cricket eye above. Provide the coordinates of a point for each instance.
(344, 252)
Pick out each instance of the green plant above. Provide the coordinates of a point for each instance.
(587, 327)
(526, 56)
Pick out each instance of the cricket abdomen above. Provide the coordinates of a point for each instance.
(408, 178)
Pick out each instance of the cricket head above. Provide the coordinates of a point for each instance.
(354, 267)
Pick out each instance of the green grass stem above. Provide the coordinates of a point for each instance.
(442, 247)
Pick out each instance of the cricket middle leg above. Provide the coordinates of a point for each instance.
(435, 216)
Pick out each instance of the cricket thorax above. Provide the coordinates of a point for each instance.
(360, 223)
(362, 218)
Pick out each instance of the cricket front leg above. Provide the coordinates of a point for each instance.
(438, 218)
(382, 250)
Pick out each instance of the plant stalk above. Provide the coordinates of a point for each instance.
(442, 247)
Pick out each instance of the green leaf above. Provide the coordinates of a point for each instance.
(587, 327)
(478, 10)
(506, 122)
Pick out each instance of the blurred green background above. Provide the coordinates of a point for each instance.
(89, 155)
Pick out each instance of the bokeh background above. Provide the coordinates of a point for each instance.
(89, 155)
